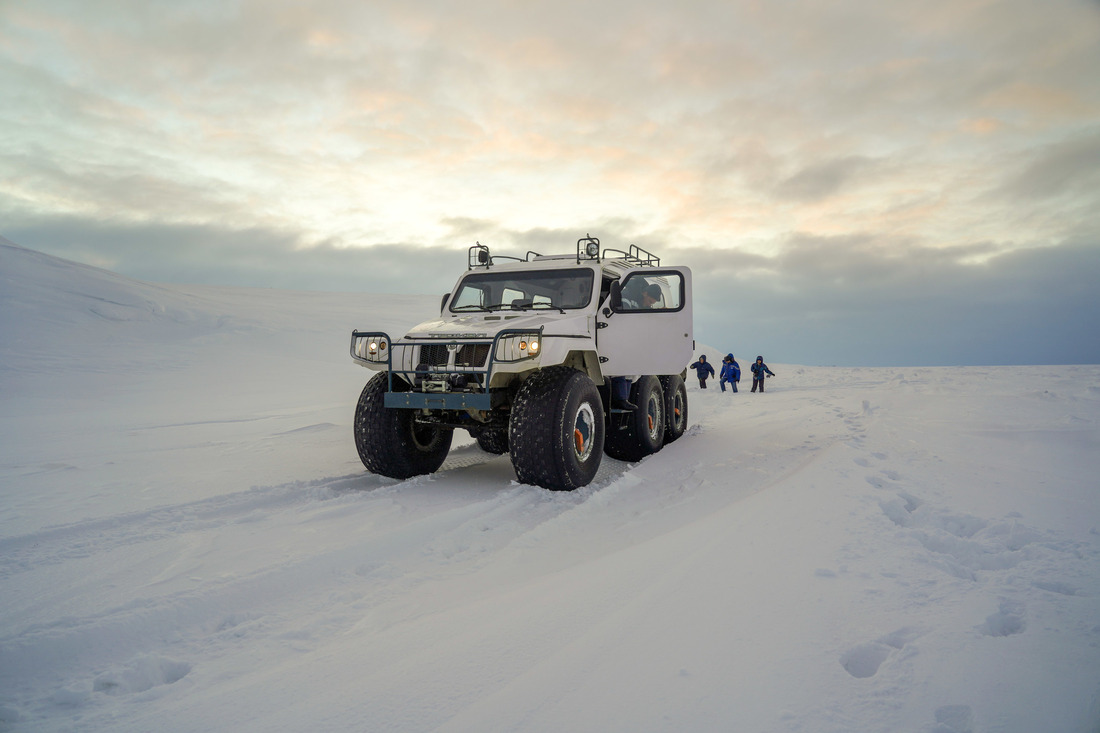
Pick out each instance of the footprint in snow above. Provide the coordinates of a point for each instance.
(1008, 621)
(141, 674)
(864, 660)
(1055, 586)
(954, 719)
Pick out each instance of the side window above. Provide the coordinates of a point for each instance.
(658, 291)
(468, 296)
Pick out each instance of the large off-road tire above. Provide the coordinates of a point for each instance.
(390, 441)
(493, 439)
(676, 406)
(644, 431)
(556, 430)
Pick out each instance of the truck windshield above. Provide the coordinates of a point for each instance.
(558, 289)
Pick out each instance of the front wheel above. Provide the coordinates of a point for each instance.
(390, 441)
(556, 430)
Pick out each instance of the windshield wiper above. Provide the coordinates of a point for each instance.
(508, 306)
(528, 305)
(542, 304)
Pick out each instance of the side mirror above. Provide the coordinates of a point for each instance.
(616, 297)
(443, 303)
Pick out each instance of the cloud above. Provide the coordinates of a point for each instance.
(845, 301)
(252, 257)
(852, 303)
(862, 152)
(1069, 167)
(823, 179)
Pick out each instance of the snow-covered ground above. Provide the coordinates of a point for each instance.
(188, 541)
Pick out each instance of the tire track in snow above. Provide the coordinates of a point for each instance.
(378, 535)
(82, 539)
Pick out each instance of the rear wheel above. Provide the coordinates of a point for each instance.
(390, 441)
(644, 430)
(676, 406)
(556, 430)
(493, 439)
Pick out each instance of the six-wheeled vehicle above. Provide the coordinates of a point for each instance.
(553, 359)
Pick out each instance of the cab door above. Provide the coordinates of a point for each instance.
(645, 336)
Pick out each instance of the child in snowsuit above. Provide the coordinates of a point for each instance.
(703, 369)
(731, 372)
(759, 371)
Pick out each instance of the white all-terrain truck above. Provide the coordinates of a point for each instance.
(553, 359)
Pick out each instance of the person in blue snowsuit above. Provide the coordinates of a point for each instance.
(703, 369)
(759, 371)
(731, 372)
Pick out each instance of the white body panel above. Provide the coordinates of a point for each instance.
(655, 338)
(649, 341)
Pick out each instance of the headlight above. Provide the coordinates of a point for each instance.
(516, 348)
(371, 349)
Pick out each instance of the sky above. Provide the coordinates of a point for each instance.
(853, 183)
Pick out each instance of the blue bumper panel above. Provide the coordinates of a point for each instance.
(438, 400)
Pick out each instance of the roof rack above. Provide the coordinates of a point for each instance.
(637, 256)
(479, 256)
(588, 248)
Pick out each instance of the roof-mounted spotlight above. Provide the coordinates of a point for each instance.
(588, 247)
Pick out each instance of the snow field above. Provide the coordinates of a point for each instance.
(189, 542)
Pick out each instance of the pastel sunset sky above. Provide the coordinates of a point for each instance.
(856, 182)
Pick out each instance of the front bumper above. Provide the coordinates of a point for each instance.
(446, 373)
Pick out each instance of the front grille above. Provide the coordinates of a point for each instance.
(433, 355)
(469, 356)
(472, 355)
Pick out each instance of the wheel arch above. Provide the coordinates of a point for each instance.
(586, 361)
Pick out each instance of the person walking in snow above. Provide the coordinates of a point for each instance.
(759, 371)
(731, 372)
(703, 369)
